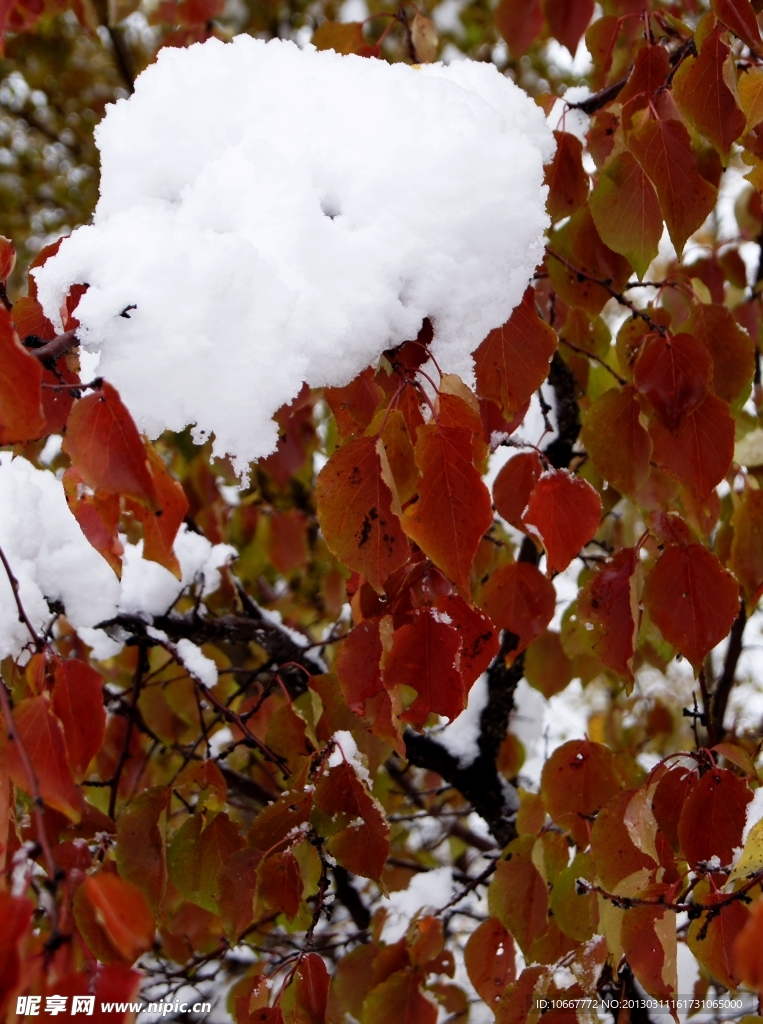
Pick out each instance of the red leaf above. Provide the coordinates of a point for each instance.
(58, 399)
(513, 487)
(355, 510)
(586, 259)
(106, 448)
(739, 16)
(568, 20)
(160, 527)
(748, 964)
(566, 512)
(567, 181)
(609, 601)
(123, 914)
(731, 349)
(704, 98)
(30, 319)
(363, 846)
(747, 543)
(280, 883)
(399, 998)
(672, 788)
(311, 982)
(489, 957)
(42, 736)
(519, 598)
(692, 600)
(16, 915)
(626, 211)
(512, 362)
(354, 406)
(618, 444)
(520, 22)
(651, 948)
(712, 939)
(424, 656)
(664, 151)
(700, 451)
(454, 509)
(577, 780)
(21, 413)
(650, 70)
(713, 817)
(78, 702)
(346, 37)
(357, 665)
(98, 517)
(674, 373)
(518, 895)
(615, 854)
(479, 641)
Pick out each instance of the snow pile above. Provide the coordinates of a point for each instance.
(278, 215)
(52, 559)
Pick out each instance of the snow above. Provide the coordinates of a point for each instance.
(280, 215)
(461, 736)
(52, 559)
(190, 656)
(430, 889)
(346, 749)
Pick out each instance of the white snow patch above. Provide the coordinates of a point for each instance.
(461, 736)
(430, 889)
(346, 749)
(754, 813)
(280, 215)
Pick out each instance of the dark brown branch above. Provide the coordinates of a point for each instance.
(599, 99)
(23, 617)
(726, 680)
(124, 754)
(56, 348)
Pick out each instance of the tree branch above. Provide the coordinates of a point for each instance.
(726, 680)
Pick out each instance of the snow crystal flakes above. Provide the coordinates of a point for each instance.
(279, 215)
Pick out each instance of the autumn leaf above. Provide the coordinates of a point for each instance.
(399, 998)
(42, 736)
(98, 517)
(518, 895)
(122, 913)
(576, 781)
(609, 602)
(513, 486)
(489, 957)
(160, 526)
(21, 413)
(105, 447)
(454, 508)
(739, 16)
(344, 37)
(520, 599)
(512, 362)
(648, 936)
(616, 440)
(363, 845)
(663, 149)
(568, 20)
(567, 181)
(424, 656)
(140, 851)
(626, 211)
(692, 600)
(703, 95)
(356, 511)
(674, 374)
(731, 348)
(77, 702)
(713, 817)
(712, 938)
(197, 855)
(746, 559)
(615, 855)
(520, 23)
(700, 450)
(565, 511)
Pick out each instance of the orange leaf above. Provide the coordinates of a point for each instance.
(454, 509)
(345, 37)
(424, 656)
(513, 361)
(748, 963)
(674, 374)
(160, 526)
(618, 444)
(566, 512)
(739, 16)
(519, 598)
(354, 405)
(42, 736)
(30, 319)
(648, 937)
(490, 960)
(700, 451)
(357, 665)
(615, 854)
(513, 487)
(626, 211)
(98, 518)
(712, 939)
(650, 70)
(587, 256)
(78, 703)
(122, 912)
(106, 448)
(566, 179)
(362, 847)
(664, 151)
(479, 641)
(704, 98)
(21, 413)
(16, 915)
(609, 601)
(692, 600)
(713, 817)
(518, 895)
(399, 998)
(547, 667)
(577, 780)
(747, 543)
(355, 510)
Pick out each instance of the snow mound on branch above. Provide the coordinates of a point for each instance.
(279, 215)
(53, 561)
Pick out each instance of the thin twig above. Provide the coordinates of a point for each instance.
(39, 643)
